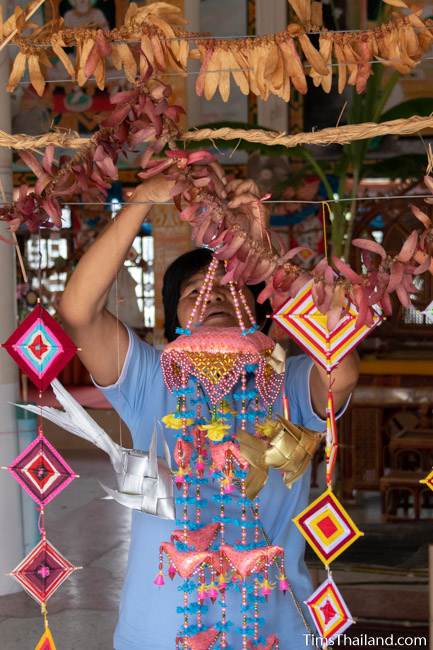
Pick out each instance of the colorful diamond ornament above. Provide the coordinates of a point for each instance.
(42, 571)
(328, 610)
(327, 527)
(40, 347)
(41, 471)
(302, 320)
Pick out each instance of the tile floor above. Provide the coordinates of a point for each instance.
(93, 533)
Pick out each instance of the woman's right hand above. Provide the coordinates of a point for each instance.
(154, 190)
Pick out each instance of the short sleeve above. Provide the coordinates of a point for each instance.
(128, 394)
(298, 369)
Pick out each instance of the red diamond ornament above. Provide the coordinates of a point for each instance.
(43, 571)
(327, 527)
(328, 610)
(41, 471)
(40, 347)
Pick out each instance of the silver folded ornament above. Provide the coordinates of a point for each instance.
(144, 480)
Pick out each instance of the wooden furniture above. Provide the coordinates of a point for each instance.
(396, 367)
(413, 450)
(402, 489)
(365, 432)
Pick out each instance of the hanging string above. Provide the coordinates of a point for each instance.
(116, 300)
(44, 614)
(408, 197)
(296, 602)
(41, 523)
(190, 73)
(325, 205)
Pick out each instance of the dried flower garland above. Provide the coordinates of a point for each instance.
(268, 65)
(238, 236)
(17, 21)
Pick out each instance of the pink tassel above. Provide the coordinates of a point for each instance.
(179, 480)
(212, 592)
(159, 580)
(266, 589)
(284, 585)
(201, 595)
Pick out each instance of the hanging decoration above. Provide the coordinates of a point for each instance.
(326, 324)
(43, 474)
(40, 347)
(215, 374)
(327, 527)
(287, 447)
(41, 471)
(275, 64)
(326, 336)
(329, 611)
(43, 571)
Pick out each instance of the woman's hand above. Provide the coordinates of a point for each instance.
(154, 190)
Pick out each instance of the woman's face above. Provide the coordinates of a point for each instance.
(220, 310)
(81, 6)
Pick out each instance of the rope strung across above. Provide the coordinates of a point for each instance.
(331, 135)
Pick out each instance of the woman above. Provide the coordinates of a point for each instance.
(127, 370)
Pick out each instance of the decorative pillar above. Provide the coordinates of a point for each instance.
(11, 530)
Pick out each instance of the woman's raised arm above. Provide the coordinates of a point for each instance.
(102, 339)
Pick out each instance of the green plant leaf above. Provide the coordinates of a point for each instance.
(422, 106)
(405, 166)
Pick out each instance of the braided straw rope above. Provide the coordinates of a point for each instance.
(333, 135)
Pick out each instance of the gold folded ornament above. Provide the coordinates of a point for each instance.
(288, 447)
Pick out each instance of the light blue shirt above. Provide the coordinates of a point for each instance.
(148, 618)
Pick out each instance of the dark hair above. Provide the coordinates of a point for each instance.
(183, 268)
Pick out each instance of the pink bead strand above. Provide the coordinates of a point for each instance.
(244, 618)
(203, 289)
(186, 644)
(246, 307)
(256, 610)
(209, 280)
(185, 485)
(238, 310)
